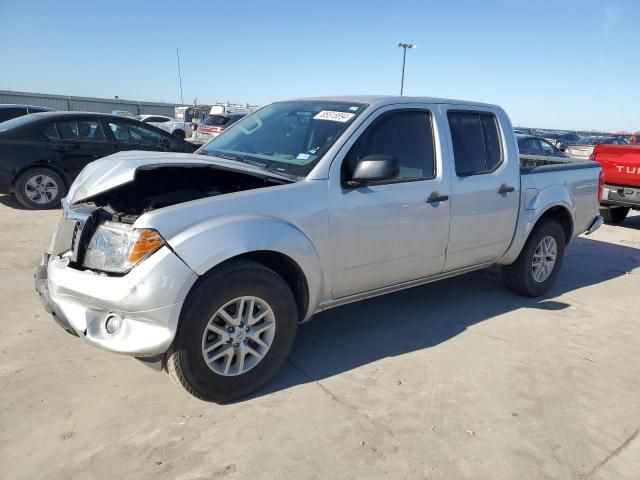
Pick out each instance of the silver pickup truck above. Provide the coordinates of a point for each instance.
(204, 264)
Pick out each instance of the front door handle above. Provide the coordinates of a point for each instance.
(504, 188)
(435, 197)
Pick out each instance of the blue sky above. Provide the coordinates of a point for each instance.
(560, 64)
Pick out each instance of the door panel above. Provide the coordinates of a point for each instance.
(78, 143)
(386, 234)
(484, 203)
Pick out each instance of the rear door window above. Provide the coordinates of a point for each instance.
(81, 130)
(547, 148)
(476, 142)
(531, 146)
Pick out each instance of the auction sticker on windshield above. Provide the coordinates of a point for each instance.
(334, 116)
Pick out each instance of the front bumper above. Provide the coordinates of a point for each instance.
(148, 301)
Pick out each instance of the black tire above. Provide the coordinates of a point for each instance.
(22, 185)
(179, 133)
(185, 361)
(614, 214)
(518, 277)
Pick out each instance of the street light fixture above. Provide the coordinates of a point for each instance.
(404, 47)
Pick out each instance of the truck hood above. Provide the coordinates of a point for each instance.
(118, 169)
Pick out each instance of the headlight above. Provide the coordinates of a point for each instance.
(118, 247)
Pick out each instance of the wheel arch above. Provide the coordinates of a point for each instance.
(562, 215)
(284, 266)
(529, 219)
(271, 242)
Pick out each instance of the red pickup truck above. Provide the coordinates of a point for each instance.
(621, 168)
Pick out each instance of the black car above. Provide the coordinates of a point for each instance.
(41, 154)
(10, 110)
(561, 139)
(532, 145)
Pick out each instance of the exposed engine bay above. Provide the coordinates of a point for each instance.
(164, 186)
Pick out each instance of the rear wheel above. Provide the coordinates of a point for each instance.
(39, 188)
(236, 330)
(614, 214)
(537, 267)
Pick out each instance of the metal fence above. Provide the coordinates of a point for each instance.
(87, 104)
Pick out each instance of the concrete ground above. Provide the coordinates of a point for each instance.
(455, 380)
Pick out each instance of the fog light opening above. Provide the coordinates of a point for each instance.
(112, 324)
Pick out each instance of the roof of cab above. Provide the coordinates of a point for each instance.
(380, 100)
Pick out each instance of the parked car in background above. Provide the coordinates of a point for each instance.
(561, 139)
(621, 168)
(42, 153)
(584, 148)
(153, 118)
(206, 264)
(174, 127)
(532, 145)
(9, 111)
(214, 125)
(630, 138)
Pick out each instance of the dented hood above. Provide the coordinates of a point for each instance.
(116, 170)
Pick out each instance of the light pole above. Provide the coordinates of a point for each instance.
(404, 47)
(179, 76)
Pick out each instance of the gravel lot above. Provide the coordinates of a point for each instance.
(454, 380)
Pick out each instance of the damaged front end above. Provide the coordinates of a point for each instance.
(107, 199)
(87, 279)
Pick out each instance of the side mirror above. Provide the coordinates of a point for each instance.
(374, 168)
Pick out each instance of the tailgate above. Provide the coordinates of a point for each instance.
(620, 164)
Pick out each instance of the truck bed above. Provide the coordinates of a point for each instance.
(530, 164)
(570, 181)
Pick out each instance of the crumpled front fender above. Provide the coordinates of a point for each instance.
(210, 243)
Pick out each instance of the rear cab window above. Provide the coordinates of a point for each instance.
(216, 120)
(475, 136)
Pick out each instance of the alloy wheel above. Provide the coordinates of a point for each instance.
(238, 336)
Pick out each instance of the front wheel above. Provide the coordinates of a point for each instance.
(179, 133)
(614, 214)
(537, 267)
(236, 330)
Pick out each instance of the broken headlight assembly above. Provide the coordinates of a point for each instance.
(117, 247)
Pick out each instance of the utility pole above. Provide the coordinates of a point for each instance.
(179, 76)
(404, 47)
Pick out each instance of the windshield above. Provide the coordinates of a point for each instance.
(288, 137)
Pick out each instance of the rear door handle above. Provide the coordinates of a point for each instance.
(435, 197)
(504, 188)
